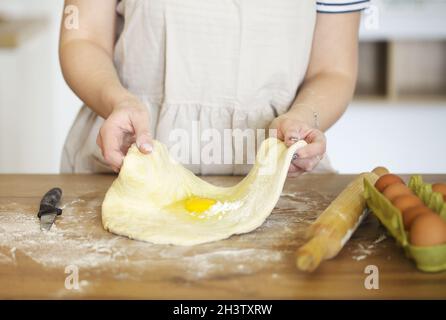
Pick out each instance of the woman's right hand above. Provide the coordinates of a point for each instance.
(128, 123)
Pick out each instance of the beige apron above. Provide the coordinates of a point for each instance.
(202, 64)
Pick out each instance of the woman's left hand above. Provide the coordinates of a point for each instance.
(291, 129)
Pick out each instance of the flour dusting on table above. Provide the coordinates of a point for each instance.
(70, 242)
(364, 250)
(77, 238)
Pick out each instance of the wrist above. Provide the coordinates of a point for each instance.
(126, 101)
(115, 98)
(304, 115)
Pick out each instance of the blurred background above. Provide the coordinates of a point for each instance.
(397, 118)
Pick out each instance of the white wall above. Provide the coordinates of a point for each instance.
(404, 137)
(36, 107)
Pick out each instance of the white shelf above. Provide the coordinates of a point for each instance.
(404, 20)
(405, 137)
(402, 70)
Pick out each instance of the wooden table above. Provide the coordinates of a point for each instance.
(257, 265)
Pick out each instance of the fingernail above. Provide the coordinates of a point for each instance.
(147, 147)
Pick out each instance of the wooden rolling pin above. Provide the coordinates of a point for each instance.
(334, 227)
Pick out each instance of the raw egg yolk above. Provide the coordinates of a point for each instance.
(198, 205)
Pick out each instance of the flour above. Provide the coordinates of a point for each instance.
(220, 209)
(360, 257)
(363, 250)
(380, 239)
(305, 201)
(71, 203)
(55, 248)
(77, 238)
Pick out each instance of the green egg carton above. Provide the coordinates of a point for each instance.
(427, 259)
(434, 200)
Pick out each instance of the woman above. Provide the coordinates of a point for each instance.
(152, 66)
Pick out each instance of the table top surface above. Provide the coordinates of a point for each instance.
(256, 265)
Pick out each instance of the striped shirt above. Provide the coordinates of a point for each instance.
(341, 6)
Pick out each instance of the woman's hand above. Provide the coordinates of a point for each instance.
(290, 129)
(128, 123)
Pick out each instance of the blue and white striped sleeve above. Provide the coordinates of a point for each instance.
(341, 6)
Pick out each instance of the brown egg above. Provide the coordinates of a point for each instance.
(440, 187)
(395, 190)
(428, 230)
(386, 180)
(406, 201)
(411, 214)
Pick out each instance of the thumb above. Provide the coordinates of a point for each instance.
(144, 143)
(140, 124)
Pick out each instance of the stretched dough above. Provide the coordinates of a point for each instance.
(149, 199)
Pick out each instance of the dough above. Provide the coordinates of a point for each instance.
(156, 199)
